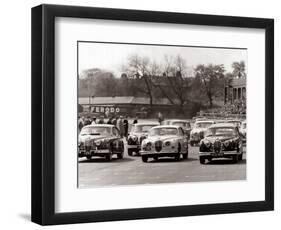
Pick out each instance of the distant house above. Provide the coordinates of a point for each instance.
(235, 90)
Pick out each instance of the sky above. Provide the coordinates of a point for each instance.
(111, 56)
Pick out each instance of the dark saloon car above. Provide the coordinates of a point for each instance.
(221, 140)
(100, 140)
(137, 134)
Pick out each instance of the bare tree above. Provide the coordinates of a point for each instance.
(138, 68)
(175, 74)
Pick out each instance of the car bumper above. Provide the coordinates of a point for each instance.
(95, 152)
(221, 154)
(162, 153)
(133, 146)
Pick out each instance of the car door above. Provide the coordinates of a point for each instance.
(183, 138)
(117, 138)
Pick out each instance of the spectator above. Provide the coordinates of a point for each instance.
(94, 121)
(126, 126)
(160, 118)
(121, 127)
(109, 121)
(87, 121)
(80, 123)
(135, 121)
(114, 121)
(101, 121)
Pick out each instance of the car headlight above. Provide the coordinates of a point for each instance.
(207, 143)
(148, 146)
(226, 143)
(98, 142)
(167, 143)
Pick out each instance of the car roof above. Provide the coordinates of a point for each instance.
(205, 121)
(178, 120)
(166, 126)
(99, 125)
(223, 125)
(233, 120)
(146, 123)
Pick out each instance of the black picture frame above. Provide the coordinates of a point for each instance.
(43, 114)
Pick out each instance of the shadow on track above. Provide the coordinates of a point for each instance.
(103, 160)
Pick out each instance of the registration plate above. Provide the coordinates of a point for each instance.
(217, 154)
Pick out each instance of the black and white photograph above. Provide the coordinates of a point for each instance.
(152, 114)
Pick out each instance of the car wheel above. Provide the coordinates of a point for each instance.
(240, 157)
(185, 156)
(121, 154)
(202, 160)
(89, 157)
(191, 143)
(130, 152)
(235, 158)
(144, 158)
(108, 157)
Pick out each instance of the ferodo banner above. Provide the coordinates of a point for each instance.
(104, 109)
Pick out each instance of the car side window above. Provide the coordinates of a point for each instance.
(237, 131)
(115, 131)
(180, 131)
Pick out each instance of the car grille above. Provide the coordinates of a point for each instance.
(158, 146)
(87, 148)
(131, 141)
(217, 146)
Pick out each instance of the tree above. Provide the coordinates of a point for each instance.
(175, 74)
(239, 69)
(211, 79)
(138, 69)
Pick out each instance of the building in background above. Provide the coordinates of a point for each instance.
(235, 90)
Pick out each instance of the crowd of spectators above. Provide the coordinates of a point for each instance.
(122, 123)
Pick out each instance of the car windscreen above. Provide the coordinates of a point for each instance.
(203, 124)
(184, 125)
(141, 128)
(163, 131)
(95, 131)
(238, 123)
(220, 131)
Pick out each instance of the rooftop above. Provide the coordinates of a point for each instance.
(121, 100)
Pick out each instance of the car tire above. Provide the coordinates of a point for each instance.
(89, 157)
(144, 158)
(108, 157)
(202, 160)
(185, 155)
(191, 143)
(240, 157)
(121, 154)
(235, 159)
(130, 152)
(177, 157)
